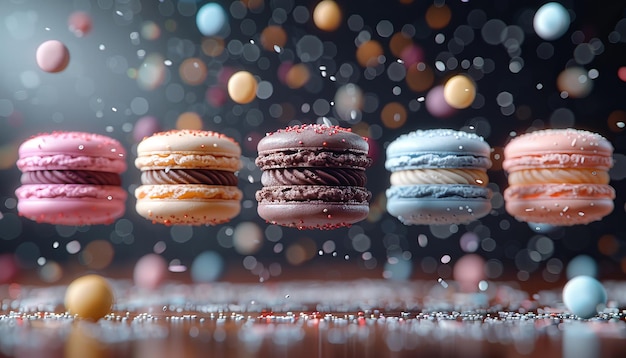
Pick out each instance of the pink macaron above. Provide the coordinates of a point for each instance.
(71, 178)
(559, 177)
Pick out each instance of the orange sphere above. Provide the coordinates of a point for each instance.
(327, 15)
(368, 53)
(242, 87)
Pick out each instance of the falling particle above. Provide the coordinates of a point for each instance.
(443, 283)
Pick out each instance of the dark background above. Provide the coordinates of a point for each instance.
(95, 92)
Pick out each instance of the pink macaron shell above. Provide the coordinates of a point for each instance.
(68, 162)
(76, 145)
(558, 160)
(71, 204)
(559, 204)
(569, 141)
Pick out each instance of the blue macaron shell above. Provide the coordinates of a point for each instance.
(438, 148)
(438, 191)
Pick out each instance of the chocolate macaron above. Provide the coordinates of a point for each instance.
(313, 177)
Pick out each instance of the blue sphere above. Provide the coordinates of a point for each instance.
(551, 21)
(583, 295)
(211, 19)
(207, 267)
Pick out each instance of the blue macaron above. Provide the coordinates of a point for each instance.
(438, 176)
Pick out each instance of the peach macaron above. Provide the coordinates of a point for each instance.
(188, 178)
(559, 177)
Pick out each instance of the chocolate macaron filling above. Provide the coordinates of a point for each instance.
(188, 176)
(86, 177)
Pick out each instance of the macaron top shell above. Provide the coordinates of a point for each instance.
(189, 141)
(72, 151)
(438, 148)
(439, 140)
(313, 136)
(558, 148)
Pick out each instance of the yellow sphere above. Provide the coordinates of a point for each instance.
(459, 92)
(89, 297)
(242, 87)
(327, 15)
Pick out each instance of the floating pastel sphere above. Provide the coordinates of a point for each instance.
(145, 127)
(551, 21)
(211, 19)
(207, 267)
(581, 265)
(583, 296)
(79, 23)
(89, 297)
(468, 271)
(459, 92)
(242, 87)
(327, 15)
(52, 56)
(150, 271)
(436, 103)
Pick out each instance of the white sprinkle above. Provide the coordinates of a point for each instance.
(442, 282)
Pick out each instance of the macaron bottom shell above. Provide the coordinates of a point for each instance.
(559, 211)
(438, 211)
(313, 215)
(188, 212)
(71, 211)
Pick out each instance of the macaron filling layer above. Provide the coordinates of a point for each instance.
(440, 176)
(438, 191)
(337, 194)
(188, 176)
(86, 177)
(436, 160)
(559, 176)
(312, 158)
(313, 176)
(188, 192)
(64, 161)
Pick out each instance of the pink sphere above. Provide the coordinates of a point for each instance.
(145, 127)
(436, 103)
(468, 271)
(8, 268)
(52, 56)
(150, 271)
(79, 23)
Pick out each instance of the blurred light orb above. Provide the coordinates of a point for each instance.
(575, 82)
(327, 15)
(242, 87)
(216, 96)
(393, 115)
(207, 267)
(8, 268)
(211, 19)
(551, 21)
(189, 120)
(150, 271)
(79, 23)
(584, 296)
(150, 30)
(581, 265)
(419, 77)
(459, 92)
(349, 102)
(621, 73)
(297, 76)
(52, 56)
(247, 238)
(273, 37)
(97, 254)
(145, 127)
(50, 272)
(192, 71)
(397, 269)
(436, 103)
(468, 271)
(368, 53)
(438, 16)
(151, 73)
